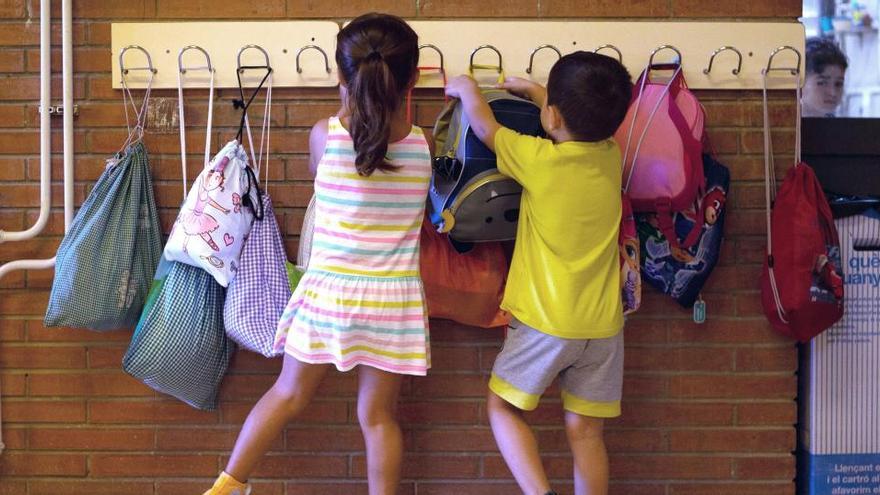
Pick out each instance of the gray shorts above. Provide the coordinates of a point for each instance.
(590, 371)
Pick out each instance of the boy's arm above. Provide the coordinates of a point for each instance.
(480, 116)
(526, 89)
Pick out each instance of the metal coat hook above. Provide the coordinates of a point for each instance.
(661, 48)
(241, 68)
(312, 47)
(739, 64)
(149, 67)
(434, 47)
(794, 71)
(489, 47)
(610, 47)
(209, 67)
(536, 50)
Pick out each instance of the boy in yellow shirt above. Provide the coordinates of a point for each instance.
(563, 290)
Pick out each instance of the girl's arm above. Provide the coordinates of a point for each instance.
(317, 143)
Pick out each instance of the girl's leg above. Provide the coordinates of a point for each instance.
(378, 392)
(291, 393)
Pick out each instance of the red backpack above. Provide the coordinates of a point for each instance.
(802, 281)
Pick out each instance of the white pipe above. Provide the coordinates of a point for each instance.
(45, 133)
(67, 84)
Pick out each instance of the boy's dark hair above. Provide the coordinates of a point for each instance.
(377, 55)
(592, 92)
(822, 52)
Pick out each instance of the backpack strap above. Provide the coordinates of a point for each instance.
(770, 184)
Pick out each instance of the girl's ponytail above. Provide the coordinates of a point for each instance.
(375, 98)
(377, 55)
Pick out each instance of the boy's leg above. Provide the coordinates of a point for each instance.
(527, 364)
(378, 393)
(291, 393)
(591, 391)
(585, 437)
(518, 445)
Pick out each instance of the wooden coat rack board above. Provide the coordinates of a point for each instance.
(515, 42)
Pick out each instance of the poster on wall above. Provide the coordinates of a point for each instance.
(840, 400)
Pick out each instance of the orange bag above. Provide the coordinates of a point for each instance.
(466, 288)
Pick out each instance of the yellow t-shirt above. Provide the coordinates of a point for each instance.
(565, 274)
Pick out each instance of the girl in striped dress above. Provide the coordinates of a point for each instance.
(360, 303)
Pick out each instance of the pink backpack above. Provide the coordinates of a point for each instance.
(660, 139)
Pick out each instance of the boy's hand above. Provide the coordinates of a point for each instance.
(460, 85)
(524, 88)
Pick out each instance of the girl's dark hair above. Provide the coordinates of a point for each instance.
(822, 52)
(377, 55)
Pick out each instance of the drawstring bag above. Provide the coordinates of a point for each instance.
(107, 258)
(179, 347)
(802, 280)
(628, 243)
(257, 295)
(218, 212)
(463, 287)
(681, 269)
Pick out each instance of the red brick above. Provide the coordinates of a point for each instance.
(333, 439)
(765, 468)
(90, 487)
(207, 9)
(732, 386)
(301, 466)
(306, 114)
(732, 440)
(13, 487)
(201, 440)
(741, 8)
(672, 359)
(89, 384)
(767, 414)
(28, 464)
(43, 411)
(603, 8)
(11, 330)
(352, 8)
(440, 412)
(653, 414)
(767, 359)
(92, 439)
(429, 466)
(14, 384)
(32, 357)
(151, 466)
(464, 8)
(12, 61)
(147, 412)
(318, 411)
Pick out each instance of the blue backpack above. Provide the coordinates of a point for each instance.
(468, 198)
(682, 271)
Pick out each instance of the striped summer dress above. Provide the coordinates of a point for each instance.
(361, 299)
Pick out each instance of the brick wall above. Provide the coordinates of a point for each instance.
(707, 409)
